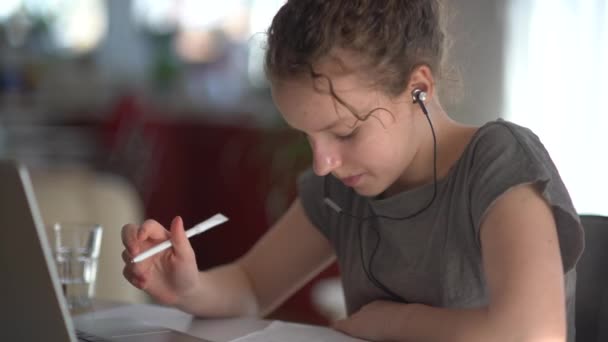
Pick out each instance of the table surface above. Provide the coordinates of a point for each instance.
(218, 330)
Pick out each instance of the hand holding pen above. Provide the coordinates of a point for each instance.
(199, 228)
(164, 273)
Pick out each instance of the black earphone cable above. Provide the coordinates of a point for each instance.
(369, 273)
(368, 270)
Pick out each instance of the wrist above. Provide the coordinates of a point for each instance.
(189, 295)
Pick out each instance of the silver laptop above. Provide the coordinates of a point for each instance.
(32, 306)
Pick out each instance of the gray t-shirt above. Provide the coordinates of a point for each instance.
(435, 257)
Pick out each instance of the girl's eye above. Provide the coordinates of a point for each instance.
(347, 136)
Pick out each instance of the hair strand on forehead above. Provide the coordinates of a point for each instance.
(315, 75)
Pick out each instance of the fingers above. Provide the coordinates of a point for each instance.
(135, 273)
(126, 256)
(132, 235)
(139, 238)
(151, 229)
(128, 234)
(137, 270)
(179, 240)
(135, 280)
(129, 276)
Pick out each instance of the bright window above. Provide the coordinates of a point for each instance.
(75, 27)
(203, 29)
(557, 83)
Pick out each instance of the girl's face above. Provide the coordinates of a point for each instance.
(369, 156)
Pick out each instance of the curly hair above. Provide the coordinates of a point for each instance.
(393, 37)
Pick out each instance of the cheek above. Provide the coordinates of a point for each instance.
(375, 154)
(390, 154)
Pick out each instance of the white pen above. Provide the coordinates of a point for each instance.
(213, 221)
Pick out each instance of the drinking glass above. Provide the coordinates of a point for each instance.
(76, 249)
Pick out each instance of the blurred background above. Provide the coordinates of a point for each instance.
(133, 109)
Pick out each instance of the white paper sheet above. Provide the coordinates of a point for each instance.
(282, 331)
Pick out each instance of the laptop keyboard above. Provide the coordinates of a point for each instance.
(86, 337)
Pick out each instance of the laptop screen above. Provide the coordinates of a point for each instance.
(32, 308)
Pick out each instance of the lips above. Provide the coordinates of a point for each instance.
(352, 181)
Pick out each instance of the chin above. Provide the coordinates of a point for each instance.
(368, 191)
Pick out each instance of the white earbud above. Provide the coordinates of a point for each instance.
(418, 95)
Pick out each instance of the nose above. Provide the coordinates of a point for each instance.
(325, 159)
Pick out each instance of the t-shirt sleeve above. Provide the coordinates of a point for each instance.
(310, 192)
(506, 156)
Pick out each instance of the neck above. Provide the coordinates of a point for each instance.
(450, 141)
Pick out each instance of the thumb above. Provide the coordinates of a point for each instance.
(181, 245)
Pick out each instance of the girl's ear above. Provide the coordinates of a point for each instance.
(422, 79)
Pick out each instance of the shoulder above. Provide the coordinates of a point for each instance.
(307, 179)
(504, 156)
(312, 191)
(506, 150)
(505, 139)
(313, 188)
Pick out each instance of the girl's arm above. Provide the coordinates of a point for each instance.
(281, 262)
(524, 273)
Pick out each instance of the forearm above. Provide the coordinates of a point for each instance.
(416, 322)
(224, 291)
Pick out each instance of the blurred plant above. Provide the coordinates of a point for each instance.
(165, 68)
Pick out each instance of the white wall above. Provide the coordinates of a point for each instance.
(477, 29)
